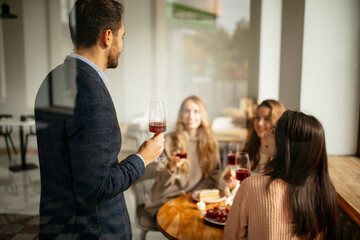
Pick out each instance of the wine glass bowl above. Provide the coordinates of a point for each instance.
(242, 166)
(157, 119)
(182, 156)
(157, 127)
(233, 149)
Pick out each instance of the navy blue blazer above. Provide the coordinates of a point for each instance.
(82, 183)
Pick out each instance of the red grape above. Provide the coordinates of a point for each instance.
(219, 214)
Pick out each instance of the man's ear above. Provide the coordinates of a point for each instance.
(107, 37)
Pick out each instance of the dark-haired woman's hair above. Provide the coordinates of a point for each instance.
(88, 19)
(252, 146)
(301, 161)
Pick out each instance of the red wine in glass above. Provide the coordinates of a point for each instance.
(241, 174)
(157, 127)
(231, 159)
(181, 154)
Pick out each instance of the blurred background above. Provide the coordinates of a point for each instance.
(304, 53)
(231, 53)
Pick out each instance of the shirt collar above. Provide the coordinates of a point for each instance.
(93, 65)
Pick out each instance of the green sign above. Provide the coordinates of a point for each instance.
(190, 16)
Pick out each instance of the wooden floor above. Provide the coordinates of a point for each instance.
(19, 226)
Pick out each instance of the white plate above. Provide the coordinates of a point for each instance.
(195, 196)
(213, 221)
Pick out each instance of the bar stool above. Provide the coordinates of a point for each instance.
(6, 131)
(32, 131)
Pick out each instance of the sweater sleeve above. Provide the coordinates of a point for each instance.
(237, 222)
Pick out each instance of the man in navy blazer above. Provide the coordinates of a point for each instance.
(78, 134)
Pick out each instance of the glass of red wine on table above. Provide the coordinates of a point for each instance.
(157, 120)
(242, 166)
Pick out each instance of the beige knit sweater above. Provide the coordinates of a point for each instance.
(256, 214)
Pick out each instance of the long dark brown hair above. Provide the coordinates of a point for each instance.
(252, 146)
(301, 161)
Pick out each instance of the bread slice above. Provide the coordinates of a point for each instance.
(209, 194)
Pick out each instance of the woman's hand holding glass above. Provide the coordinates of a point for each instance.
(230, 179)
(178, 164)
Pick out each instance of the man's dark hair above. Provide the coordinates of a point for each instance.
(88, 19)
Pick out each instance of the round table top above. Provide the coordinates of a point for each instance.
(179, 218)
(17, 123)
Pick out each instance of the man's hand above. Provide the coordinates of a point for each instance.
(152, 148)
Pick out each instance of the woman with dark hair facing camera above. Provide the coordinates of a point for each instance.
(266, 115)
(295, 199)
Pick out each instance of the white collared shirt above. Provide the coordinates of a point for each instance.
(93, 65)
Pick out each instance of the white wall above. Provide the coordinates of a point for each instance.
(13, 37)
(319, 63)
(35, 48)
(330, 83)
(131, 85)
(26, 55)
(270, 43)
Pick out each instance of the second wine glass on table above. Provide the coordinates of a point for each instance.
(233, 149)
(157, 120)
(242, 166)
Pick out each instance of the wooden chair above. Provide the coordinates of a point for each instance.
(139, 191)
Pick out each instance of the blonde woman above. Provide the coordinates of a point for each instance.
(200, 169)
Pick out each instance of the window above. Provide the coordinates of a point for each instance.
(208, 52)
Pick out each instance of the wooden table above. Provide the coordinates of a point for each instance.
(231, 135)
(180, 219)
(21, 125)
(345, 174)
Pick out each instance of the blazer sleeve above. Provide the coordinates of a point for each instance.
(94, 142)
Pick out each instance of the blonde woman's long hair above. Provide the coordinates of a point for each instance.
(208, 145)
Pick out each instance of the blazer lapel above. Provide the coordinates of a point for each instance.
(77, 63)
